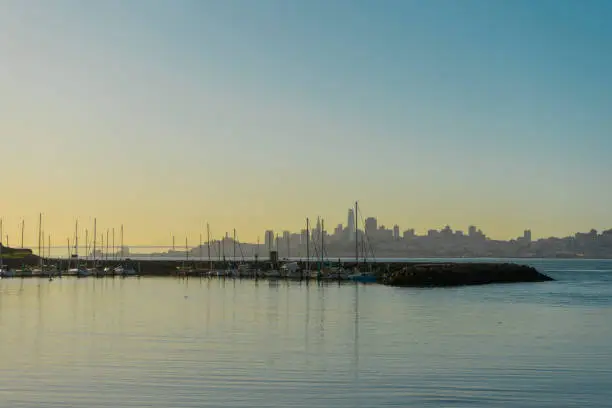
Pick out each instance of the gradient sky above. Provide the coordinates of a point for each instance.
(163, 115)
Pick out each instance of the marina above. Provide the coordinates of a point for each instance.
(363, 268)
(398, 273)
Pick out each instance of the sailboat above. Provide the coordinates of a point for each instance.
(362, 277)
(358, 275)
(239, 269)
(211, 270)
(234, 271)
(184, 269)
(94, 270)
(39, 271)
(78, 270)
(200, 269)
(123, 270)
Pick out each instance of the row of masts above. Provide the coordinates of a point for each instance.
(2, 236)
(220, 247)
(41, 242)
(115, 254)
(75, 247)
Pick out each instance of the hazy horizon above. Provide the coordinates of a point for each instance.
(163, 116)
(86, 228)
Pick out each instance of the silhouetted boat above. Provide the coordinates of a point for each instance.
(125, 271)
(362, 277)
(79, 272)
(291, 270)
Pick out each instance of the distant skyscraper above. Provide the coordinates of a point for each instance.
(472, 231)
(350, 224)
(371, 225)
(409, 233)
(316, 233)
(269, 240)
(527, 235)
(304, 236)
(396, 232)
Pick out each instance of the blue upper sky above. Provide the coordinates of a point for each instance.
(430, 112)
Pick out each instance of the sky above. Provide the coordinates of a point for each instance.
(165, 115)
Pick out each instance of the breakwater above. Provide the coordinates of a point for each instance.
(457, 274)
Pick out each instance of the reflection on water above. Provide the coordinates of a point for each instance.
(160, 342)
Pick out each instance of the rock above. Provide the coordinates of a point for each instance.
(457, 274)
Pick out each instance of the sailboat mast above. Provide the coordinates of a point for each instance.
(364, 250)
(234, 256)
(320, 260)
(40, 255)
(307, 244)
(95, 237)
(322, 241)
(223, 246)
(114, 251)
(121, 242)
(106, 252)
(86, 245)
(356, 236)
(186, 251)
(208, 245)
(22, 229)
(76, 242)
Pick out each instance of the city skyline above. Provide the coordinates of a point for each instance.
(253, 115)
(368, 224)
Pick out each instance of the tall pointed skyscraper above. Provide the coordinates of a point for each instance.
(350, 225)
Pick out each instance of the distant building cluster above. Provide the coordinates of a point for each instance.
(380, 241)
(383, 242)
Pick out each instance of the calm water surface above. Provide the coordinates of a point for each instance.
(162, 342)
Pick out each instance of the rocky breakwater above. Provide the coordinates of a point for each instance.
(458, 274)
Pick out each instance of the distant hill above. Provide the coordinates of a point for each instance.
(17, 257)
(15, 252)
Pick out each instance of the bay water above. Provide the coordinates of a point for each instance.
(168, 342)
